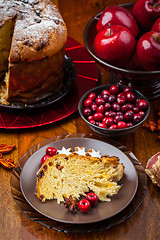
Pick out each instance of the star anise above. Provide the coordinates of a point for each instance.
(71, 204)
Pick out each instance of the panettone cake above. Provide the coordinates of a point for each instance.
(32, 49)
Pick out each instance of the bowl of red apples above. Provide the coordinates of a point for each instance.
(113, 110)
(125, 40)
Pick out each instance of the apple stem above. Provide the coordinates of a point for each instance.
(110, 28)
(156, 5)
(157, 37)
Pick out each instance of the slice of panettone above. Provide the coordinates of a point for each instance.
(61, 176)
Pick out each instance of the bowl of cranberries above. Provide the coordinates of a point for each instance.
(114, 110)
(125, 40)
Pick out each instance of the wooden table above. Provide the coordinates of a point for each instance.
(144, 223)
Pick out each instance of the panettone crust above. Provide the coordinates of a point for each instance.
(36, 58)
(24, 88)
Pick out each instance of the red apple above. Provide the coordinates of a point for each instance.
(148, 50)
(156, 25)
(146, 12)
(117, 15)
(115, 45)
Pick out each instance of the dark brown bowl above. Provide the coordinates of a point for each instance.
(147, 82)
(111, 132)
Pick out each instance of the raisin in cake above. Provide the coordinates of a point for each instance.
(73, 174)
(32, 47)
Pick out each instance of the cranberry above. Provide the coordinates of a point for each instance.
(93, 107)
(44, 158)
(112, 98)
(98, 116)
(137, 100)
(104, 119)
(109, 121)
(136, 109)
(142, 105)
(88, 102)
(114, 89)
(142, 113)
(105, 92)
(130, 96)
(121, 94)
(100, 109)
(84, 205)
(107, 106)
(124, 108)
(51, 151)
(92, 96)
(105, 97)
(121, 100)
(107, 114)
(130, 124)
(100, 101)
(90, 117)
(130, 106)
(137, 118)
(119, 113)
(128, 116)
(99, 96)
(132, 111)
(116, 107)
(87, 112)
(102, 125)
(112, 114)
(97, 123)
(127, 89)
(118, 118)
(92, 121)
(113, 126)
(121, 125)
(92, 197)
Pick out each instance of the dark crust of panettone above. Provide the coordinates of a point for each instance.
(46, 84)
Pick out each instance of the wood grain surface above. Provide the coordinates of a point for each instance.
(145, 222)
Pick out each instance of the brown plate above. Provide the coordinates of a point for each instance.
(103, 210)
(35, 216)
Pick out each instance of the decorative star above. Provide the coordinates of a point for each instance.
(80, 151)
(94, 153)
(66, 151)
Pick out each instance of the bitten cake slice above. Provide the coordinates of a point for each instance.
(76, 175)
